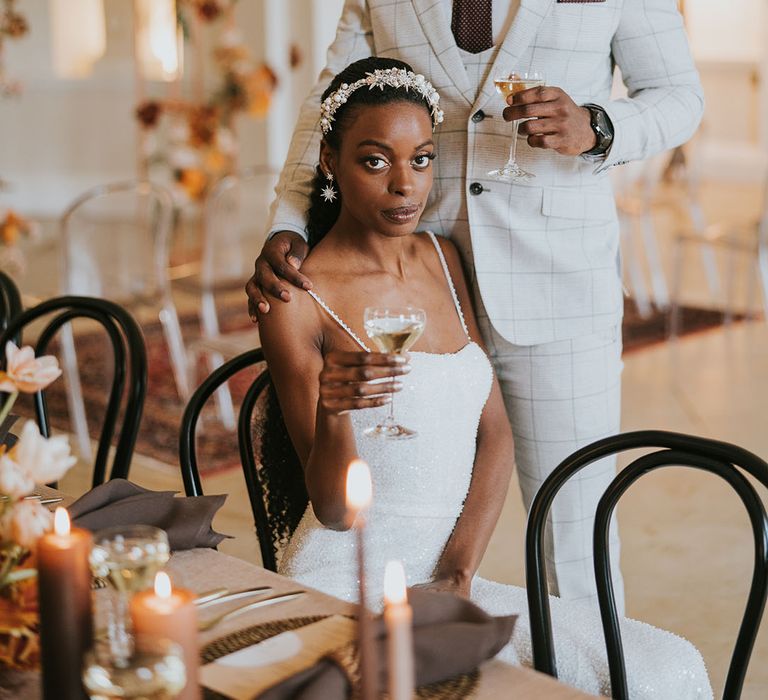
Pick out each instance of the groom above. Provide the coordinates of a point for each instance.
(542, 255)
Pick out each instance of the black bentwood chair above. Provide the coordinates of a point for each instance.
(10, 303)
(719, 458)
(130, 360)
(10, 299)
(273, 474)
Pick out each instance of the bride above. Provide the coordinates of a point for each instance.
(437, 497)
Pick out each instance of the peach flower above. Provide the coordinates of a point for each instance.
(25, 372)
(44, 459)
(25, 522)
(15, 481)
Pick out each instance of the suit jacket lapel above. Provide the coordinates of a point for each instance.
(529, 17)
(437, 28)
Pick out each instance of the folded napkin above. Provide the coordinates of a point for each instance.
(119, 502)
(451, 636)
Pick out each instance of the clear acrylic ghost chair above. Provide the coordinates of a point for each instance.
(750, 241)
(115, 242)
(635, 185)
(236, 214)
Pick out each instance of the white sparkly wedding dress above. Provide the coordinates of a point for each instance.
(419, 487)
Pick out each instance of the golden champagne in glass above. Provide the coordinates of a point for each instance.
(506, 85)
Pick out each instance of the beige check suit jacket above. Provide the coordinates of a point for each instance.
(544, 253)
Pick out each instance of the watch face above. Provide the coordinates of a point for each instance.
(600, 126)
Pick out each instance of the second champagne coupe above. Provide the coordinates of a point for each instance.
(393, 329)
(507, 85)
(128, 557)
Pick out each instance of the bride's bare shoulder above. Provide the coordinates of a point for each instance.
(449, 250)
(289, 320)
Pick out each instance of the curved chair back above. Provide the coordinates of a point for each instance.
(127, 224)
(130, 361)
(673, 449)
(273, 475)
(236, 213)
(10, 303)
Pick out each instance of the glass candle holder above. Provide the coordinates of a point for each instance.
(127, 557)
(153, 671)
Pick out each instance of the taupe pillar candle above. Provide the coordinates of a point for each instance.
(64, 594)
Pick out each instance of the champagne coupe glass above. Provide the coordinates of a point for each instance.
(510, 84)
(393, 329)
(128, 557)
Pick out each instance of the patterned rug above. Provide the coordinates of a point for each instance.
(639, 332)
(217, 447)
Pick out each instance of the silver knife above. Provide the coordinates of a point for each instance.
(223, 595)
(210, 595)
(281, 598)
(49, 501)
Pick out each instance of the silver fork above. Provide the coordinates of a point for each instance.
(281, 598)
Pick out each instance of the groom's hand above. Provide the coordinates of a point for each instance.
(280, 259)
(555, 120)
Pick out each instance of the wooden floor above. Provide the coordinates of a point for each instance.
(686, 542)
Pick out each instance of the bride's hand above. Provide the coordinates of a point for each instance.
(463, 588)
(354, 380)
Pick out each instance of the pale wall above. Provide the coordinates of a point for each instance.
(62, 136)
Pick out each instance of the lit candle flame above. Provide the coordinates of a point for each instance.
(359, 486)
(61, 524)
(394, 583)
(162, 585)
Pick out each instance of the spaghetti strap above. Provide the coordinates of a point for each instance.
(450, 283)
(341, 323)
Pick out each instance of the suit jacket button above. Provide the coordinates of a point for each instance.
(478, 116)
(475, 188)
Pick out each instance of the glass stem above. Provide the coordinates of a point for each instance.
(391, 416)
(119, 632)
(513, 145)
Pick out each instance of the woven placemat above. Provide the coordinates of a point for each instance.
(453, 689)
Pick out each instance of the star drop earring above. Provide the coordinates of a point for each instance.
(328, 192)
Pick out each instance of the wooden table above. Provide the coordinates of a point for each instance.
(205, 569)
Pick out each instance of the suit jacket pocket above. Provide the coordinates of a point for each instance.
(578, 204)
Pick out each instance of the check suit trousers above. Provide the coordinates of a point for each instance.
(559, 397)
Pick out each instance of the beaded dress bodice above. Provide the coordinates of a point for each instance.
(425, 479)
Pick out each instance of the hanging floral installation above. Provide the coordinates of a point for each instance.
(13, 25)
(196, 138)
(13, 227)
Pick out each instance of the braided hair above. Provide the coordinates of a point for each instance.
(322, 215)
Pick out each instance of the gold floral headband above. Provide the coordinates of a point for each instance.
(391, 77)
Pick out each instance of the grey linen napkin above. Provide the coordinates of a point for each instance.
(119, 502)
(451, 636)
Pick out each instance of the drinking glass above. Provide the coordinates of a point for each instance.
(506, 85)
(127, 557)
(153, 671)
(393, 329)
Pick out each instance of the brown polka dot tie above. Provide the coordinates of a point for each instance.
(472, 24)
